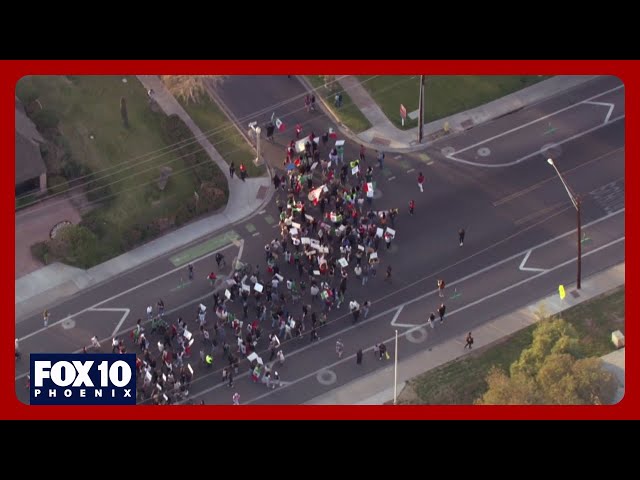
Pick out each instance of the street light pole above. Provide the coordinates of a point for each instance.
(395, 373)
(577, 204)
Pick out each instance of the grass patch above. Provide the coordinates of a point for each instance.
(348, 114)
(445, 95)
(87, 124)
(222, 134)
(28, 199)
(461, 382)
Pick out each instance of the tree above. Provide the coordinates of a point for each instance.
(330, 82)
(190, 87)
(549, 336)
(566, 380)
(550, 372)
(123, 112)
(505, 390)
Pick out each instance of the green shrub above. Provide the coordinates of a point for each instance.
(77, 246)
(40, 251)
(57, 184)
(72, 169)
(45, 119)
(99, 190)
(95, 221)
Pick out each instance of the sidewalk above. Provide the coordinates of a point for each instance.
(39, 289)
(385, 134)
(374, 389)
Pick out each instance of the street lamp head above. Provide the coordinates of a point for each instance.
(550, 161)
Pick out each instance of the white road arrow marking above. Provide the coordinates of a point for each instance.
(529, 269)
(124, 316)
(395, 317)
(610, 105)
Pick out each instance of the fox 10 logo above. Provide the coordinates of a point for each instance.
(83, 379)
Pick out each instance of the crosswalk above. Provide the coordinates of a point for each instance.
(610, 196)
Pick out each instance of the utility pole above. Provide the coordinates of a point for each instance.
(421, 110)
(578, 209)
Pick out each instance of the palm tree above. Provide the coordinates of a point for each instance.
(190, 87)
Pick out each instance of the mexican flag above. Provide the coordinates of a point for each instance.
(314, 195)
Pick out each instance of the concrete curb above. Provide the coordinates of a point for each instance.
(369, 389)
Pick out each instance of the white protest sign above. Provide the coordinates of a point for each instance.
(343, 262)
(305, 240)
(379, 232)
(258, 287)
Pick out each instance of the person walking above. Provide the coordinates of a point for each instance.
(236, 398)
(382, 351)
(441, 288)
(232, 169)
(469, 341)
(17, 351)
(381, 159)
(190, 268)
(441, 310)
(45, 317)
(412, 207)
(243, 172)
(432, 317)
(388, 275)
(359, 357)
(461, 236)
(339, 348)
(420, 182)
(362, 152)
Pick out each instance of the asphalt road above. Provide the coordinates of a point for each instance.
(506, 212)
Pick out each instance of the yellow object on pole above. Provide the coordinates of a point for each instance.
(562, 292)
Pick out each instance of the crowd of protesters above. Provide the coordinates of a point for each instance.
(330, 238)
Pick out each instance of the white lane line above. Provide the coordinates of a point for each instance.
(538, 152)
(101, 302)
(529, 269)
(610, 105)
(395, 317)
(255, 234)
(391, 178)
(261, 212)
(472, 304)
(515, 129)
(124, 316)
(411, 170)
(433, 292)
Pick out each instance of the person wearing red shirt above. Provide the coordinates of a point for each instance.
(420, 181)
(412, 206)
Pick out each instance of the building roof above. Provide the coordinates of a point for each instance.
(24, 125)
(29, 163)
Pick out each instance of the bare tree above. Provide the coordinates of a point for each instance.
(190, 87)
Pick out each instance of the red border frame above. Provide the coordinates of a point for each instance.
(11, 408)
